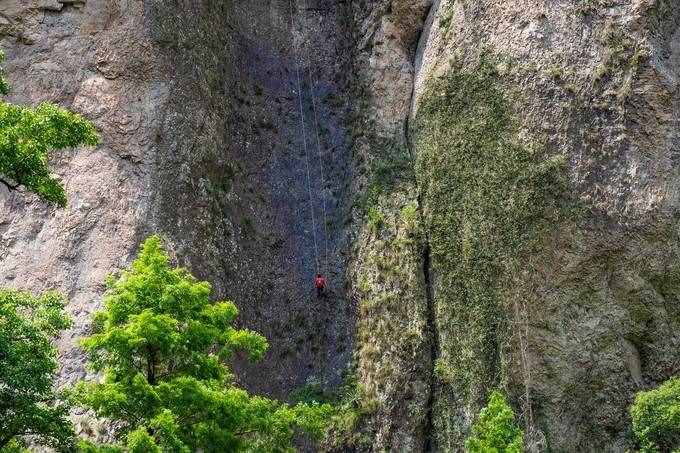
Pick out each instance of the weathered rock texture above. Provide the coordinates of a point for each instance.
(547, 144)
(202, 142)
(100, 64)
(393, 343)
(500, 186)
(239, 207)
(98, 61)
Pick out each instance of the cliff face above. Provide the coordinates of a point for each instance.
(394, 342)
(546, 138)
(100, 64)
(202, 142)
(252, 169)
(99, 61)
(497, 205)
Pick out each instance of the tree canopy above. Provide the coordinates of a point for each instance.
(28, 135)
(28, 362)
(495, 430)
(656, 418)
(162, 346)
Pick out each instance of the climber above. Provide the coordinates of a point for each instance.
(320, 284)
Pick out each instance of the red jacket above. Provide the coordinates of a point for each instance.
(320, 282)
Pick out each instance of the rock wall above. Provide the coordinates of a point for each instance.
(202, 142)
(101, 65)
(546, 138)
(96, 59)
(498, 205)
(239, 210)
(394, 341)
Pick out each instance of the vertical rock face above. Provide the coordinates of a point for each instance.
(546, 138)
(252, 170)
(203, 142)
(491, 188)
(97, 60)
(393, 340)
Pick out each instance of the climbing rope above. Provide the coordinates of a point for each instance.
(312, 84)
(304, 135)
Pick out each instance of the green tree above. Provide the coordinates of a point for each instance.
(656, 418)
(28, 135)
(162, 346)
(495, 431)
(28, 362)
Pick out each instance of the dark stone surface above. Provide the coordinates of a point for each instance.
(232, 173)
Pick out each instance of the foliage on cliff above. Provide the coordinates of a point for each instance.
(656, 418)
(27, 137)
(4, 86)
(162, 346)
(28, 363)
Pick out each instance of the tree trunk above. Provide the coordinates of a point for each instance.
(151, 367)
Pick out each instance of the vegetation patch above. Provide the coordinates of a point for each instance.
(445, 21)
(312, 391)
(656, 418)
(621, 61)
(586, 7)
(28, 365)
(390, 164)
(485, 198)
(496, 430)
(351, 408)
(29, 136)
(375, 219)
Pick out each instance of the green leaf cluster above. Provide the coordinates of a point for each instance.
(162, 345)
(28, 135)
(29, 405)
(656, 418)
(495, 430)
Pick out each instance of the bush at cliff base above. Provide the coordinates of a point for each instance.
(29, 404)
(495, 430)
(656, 418)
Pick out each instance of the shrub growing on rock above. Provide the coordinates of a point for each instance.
(495, 430)
(162, 346)
(656, 418)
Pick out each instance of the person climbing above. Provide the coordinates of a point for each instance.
(320, 284)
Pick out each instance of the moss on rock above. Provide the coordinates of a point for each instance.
(485, 198)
